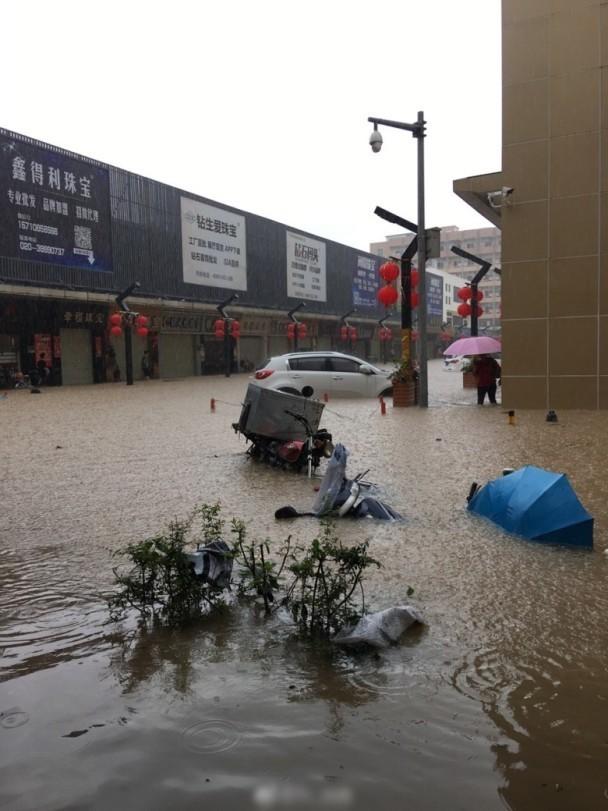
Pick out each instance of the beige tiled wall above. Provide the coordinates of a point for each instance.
(555, 231)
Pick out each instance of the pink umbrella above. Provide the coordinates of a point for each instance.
(480, 345)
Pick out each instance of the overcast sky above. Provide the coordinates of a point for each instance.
(263, 104)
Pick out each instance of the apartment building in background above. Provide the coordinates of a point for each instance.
(482, 242)
(551, 202)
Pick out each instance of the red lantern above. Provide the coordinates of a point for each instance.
(142, 332)
(141, 321)
(116, 319)
(478, 295)
(389, 271)
(235, 329)
(388, 333)
(291, 331)
(387, 295)
(479, 311)
(382, 334)
(115, 331)
(414, 298)
(219, 328)
(302, 330)
(414, 335)
(414, 277)
(463, 310)
(464, 293)
(344, 333)
(352, 333)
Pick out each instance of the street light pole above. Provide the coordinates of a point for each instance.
(423, 348)
(418, 130)
(120, 300)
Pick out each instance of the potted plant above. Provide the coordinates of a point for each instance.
(468, 378)
(405, 385)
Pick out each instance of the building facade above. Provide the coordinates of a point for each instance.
(483, 242)
(75, 232)
(551, 199)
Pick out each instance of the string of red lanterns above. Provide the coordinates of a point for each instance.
(388, 295)
(293, 328)
(464, 309)
(348, 333)
(219, 328)
(118, 321)
(385, 334)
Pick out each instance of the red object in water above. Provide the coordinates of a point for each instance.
(344, 333)
(116, 319)
(463, 310)
(290, 451)
(414, 298)
(389, 271)
(326, 397)
(212, 404)
(302, 330)
(263, 374)
(387, 295)
(116, 331)
(382, 406)
(414, 277)
(142, 332)
(220, 328)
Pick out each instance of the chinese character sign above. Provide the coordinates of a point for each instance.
(305, 268)
(365, 282)
(434, 294)
(53, 208)
(214, 246)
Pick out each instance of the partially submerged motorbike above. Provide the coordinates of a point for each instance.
(340, 496)
(283, 429)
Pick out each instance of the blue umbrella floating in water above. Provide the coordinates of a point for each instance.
(536, 504)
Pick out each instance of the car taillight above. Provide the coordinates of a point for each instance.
(263, 374)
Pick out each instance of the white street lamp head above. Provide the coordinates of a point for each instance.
(375, 141)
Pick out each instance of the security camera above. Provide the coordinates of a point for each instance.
(375, 141)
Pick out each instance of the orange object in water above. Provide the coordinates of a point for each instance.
(326, 397)
(382, 406)
(212, 404)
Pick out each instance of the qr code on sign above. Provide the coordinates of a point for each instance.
(82, 237)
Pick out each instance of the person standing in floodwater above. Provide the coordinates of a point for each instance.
(486, 371)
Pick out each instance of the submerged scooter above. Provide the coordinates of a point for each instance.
(283, 431)
(340, 496)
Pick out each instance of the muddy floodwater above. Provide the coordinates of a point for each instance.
(499, 701)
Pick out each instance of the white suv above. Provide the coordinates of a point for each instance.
(314, 374)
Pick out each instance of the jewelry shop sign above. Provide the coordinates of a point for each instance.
(214, 246)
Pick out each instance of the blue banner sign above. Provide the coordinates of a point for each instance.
(365, 282)
(53, 208)
(434, 294)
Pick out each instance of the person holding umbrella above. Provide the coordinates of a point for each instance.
(486, 372)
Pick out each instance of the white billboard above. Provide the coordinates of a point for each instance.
(305, 268)
(214, 246)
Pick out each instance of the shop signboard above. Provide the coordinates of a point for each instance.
(305, 268)
(365, 282)
(434, 294)
(53, 208)
(214, 246)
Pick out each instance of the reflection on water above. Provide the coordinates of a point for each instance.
(499, 700)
